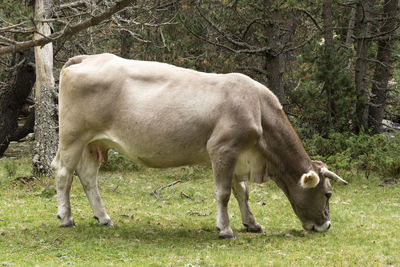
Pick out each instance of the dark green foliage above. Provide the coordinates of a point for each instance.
(345, 151)
(16, 12)
(393, 105)
(312, 101)
(117, 162)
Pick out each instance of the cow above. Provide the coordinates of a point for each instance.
(161, 116)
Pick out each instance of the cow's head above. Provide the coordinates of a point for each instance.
(310, 197)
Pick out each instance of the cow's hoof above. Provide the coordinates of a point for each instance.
(68, 223)
(254, 229)
(105, 222)
(227, 236)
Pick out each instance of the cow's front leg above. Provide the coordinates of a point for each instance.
(241, 192)
(223, 159)
(87, 171)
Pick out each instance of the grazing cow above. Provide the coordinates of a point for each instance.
(164, 116)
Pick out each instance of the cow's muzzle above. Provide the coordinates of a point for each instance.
(318, 228)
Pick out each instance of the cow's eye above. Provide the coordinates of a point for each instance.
(328, 195)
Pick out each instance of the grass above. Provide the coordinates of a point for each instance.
(177, 226)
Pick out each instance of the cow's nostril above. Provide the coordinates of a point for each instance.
(322, 228)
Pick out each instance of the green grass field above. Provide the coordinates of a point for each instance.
(176, 227)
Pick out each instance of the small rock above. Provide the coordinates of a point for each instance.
(389, 182)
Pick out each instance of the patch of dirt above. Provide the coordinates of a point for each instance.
(27, 179)
(19, 149)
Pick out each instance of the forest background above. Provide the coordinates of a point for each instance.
(333, 64)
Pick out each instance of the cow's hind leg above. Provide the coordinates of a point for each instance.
(64, 165)
(241, 193)
(87, 171)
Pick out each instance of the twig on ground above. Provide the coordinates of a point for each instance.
(157, 192)
(185, 195)
(115, 189)
(190, 212)
(57, 238)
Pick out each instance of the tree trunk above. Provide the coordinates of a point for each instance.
(46, 136)
(126, 43)
(329, 54)
(13, 97)
(273, 66)
(126, 38)
(361, 31)
(383, 67)
(273, 58)
(350, 30)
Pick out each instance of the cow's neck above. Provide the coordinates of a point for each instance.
(285, 152)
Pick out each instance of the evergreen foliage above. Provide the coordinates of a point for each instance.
(349, 152)
(311, 102)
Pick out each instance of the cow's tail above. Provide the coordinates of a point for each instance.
(74, 60)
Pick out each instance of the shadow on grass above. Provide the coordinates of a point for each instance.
(165, 236)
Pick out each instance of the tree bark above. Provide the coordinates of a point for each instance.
(273, 67)
(13, 97)
(126, 43)
(46, 123)
(383, 67)
(350, 30)
(125, 38)
(329, 54)
(361, 31)
(273, 58)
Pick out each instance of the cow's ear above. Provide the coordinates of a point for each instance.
(309, 180)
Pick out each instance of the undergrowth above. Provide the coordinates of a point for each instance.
(117, 162)
(370, 153)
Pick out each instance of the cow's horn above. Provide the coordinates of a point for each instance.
(331, 175)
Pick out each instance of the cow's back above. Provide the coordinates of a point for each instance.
(157, 114)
